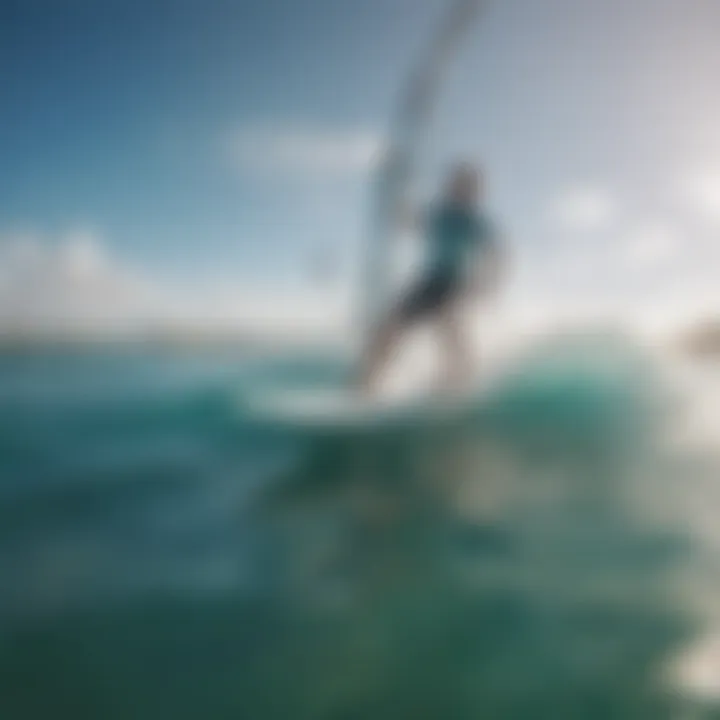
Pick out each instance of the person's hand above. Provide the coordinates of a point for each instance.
(407, 217)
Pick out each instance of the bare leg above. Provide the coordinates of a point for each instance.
(457, 369)
(378, 354)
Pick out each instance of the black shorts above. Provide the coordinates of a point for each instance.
(428, 297)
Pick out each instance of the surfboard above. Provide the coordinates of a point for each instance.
(339, 407)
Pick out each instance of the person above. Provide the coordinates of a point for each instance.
(464, 262)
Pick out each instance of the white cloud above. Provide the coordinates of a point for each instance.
(650, 245)
(640, 275)
(583, 208)
(74, 284)
(305, 152)
(700, 189)
(83, 257)
(68, 282)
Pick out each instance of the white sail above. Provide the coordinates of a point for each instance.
(396, 172)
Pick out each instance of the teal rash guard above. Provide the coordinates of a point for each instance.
(456, 238)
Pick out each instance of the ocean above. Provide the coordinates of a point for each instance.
(547, 552)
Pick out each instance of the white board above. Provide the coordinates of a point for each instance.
(343, 407)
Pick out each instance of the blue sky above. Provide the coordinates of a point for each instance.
(222, 143)
(117, 113)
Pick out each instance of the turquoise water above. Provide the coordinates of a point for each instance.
(165, 554)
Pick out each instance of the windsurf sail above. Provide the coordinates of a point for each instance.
(398, 167)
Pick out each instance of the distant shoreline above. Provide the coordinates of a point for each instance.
(699, 341)
(184, 341)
